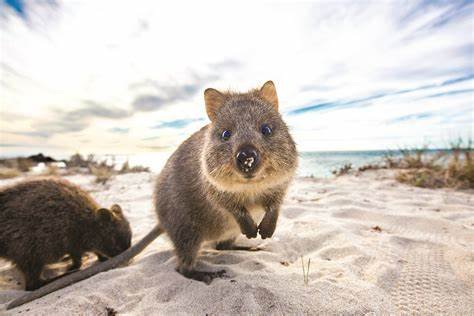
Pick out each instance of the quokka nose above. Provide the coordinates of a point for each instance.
(247, 159)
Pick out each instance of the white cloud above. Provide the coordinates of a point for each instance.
(61, 56)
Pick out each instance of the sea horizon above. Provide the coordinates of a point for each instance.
(319, 164)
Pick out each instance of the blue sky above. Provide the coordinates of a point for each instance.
(128, 76)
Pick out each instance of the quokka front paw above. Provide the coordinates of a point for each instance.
(249, 229)
(267, 227)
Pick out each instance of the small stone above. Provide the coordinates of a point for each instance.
(377, 229)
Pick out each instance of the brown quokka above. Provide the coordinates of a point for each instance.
(44, 219)
(226, 176)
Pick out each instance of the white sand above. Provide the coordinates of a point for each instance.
(422, 260)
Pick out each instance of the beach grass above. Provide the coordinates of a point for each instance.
(453, 168)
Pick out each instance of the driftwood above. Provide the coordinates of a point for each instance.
(72, 278)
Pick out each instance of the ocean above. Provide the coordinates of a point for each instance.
(316, 164)
(321, 164)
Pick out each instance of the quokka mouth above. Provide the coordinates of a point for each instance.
(250, 177)
(245, 174)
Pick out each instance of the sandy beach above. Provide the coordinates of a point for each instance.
(376, 246)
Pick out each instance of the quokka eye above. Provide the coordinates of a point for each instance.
(226, 135)
(266, 130)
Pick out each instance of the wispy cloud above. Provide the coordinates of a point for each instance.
(432, 15)
(29, 145)
(119, 130)
(412, 117)
(147, 103)
(177, 123)
(30, 134)
(95, 109)
(455, 10)
(76, 120)
(452, 92)
(165, 94)
(362, 101)
(226, 65)
(170, 95)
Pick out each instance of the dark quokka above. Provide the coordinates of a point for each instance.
(226, 176)
(42, 220)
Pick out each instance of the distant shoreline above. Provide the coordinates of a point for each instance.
(65, 156)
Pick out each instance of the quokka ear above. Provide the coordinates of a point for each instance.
(268, 92)
(116, 209)
(214, 100)
(104, 215)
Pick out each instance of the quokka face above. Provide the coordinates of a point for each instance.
(115, 233)
(248, 143)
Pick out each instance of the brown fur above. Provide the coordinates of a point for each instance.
(44, 219)
(201, 195)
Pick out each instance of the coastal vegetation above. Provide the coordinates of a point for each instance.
(421, 167)
(102, 169)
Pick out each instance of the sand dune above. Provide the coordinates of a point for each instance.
(376, 246)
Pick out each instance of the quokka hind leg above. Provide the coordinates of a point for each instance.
(101, 258)
(76, 262)
(187, 248)
(230, 245)
(32, 273)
